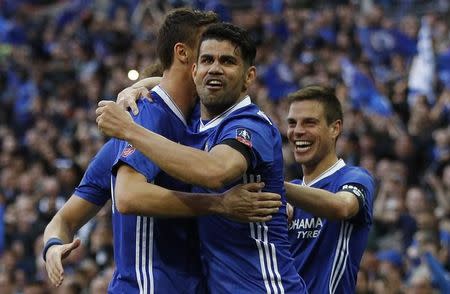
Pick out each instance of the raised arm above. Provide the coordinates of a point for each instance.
(127, 97)
(213, 169)
(134, 195)
(59, 233)
(341, 205)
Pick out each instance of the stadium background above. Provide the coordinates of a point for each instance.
(389, 62)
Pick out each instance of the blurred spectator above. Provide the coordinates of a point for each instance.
(389, 272)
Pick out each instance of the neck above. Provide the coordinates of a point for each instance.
(208, 113)
(175, 81)
(313, 171)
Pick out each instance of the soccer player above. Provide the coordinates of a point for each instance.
(333, 202)
(239, 143)
(152, 255)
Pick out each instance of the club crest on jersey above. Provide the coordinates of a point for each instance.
(128, 151)
(244, 136)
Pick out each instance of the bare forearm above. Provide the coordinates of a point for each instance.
(317, 201)
(70, 218)
(58, 228)
(148, 199)
(181, 162)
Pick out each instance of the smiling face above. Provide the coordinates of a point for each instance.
(221, 76)
(311, 138)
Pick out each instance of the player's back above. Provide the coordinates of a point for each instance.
(249, 257)
(327, 253)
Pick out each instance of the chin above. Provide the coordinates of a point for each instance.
(300, 159)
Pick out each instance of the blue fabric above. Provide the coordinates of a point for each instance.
(363, 93)
(439, 276)
(380, 44)
(327, 253)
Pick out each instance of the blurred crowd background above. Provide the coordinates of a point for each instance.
(389, 62)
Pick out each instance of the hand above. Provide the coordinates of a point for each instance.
(127, 98)
(245, 203)
(290, 213)
(112, 120)
(54, 257)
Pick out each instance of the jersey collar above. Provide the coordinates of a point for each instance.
(218, 119)
(331, 170)
(169, 102)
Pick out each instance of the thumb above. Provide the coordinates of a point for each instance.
(71, 246)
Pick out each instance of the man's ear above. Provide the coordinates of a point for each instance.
(194, 70)
(180, 52)
(336, 129)
(249, 77)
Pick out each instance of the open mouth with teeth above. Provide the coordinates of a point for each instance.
(214, 84)
(302, 146)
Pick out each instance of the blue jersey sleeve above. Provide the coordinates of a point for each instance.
(251, 132)
(360, 180)
(95, 186)
(151, 117)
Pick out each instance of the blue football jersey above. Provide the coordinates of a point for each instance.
(327, 253)
(95, 186)
(242, 257)
(152, 255)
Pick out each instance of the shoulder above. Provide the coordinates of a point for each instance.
(106, 153)
(151, 113)
(296, 181)
(357, 175)
(250, 117)
(145, 107)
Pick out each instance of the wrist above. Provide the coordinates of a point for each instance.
(130, 132)
(50, 242)
(218, 205)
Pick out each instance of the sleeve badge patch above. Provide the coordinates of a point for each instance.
(244, 136)
(128, 151)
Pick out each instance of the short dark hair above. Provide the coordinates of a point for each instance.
(325, 96)
(181, 26)
(234, 34)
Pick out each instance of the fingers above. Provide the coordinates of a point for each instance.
(272, 204)
(104, 103)
(269, 196)
(69, 247)
(146, 93)
(253, 187)
(133, 106)
(54, 266)
(260, 219)
(127, 98)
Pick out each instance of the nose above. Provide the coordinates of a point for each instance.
(215, 68)
(297, 130)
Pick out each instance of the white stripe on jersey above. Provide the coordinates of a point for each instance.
(144, 254)
(112, 196)
(266, 250)
(341, 255)
(275, 266)
(264, 229)
(261, 257)
(137, 253)
(150, 257)
(267, 258)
